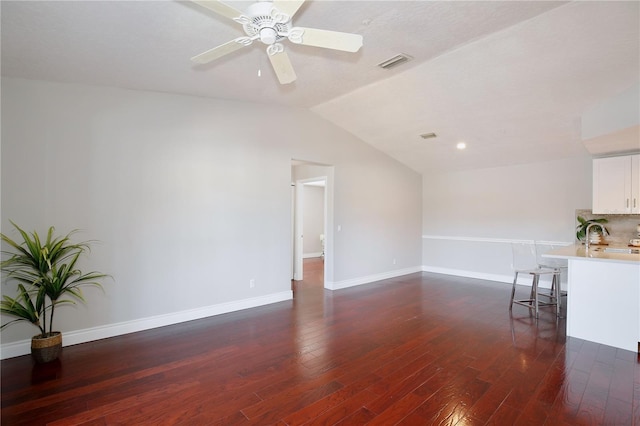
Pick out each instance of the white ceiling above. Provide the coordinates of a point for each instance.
(511, 79)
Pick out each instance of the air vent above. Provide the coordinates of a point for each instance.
(395, 61)
(428, 135)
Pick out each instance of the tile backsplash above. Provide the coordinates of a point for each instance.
(622, 227)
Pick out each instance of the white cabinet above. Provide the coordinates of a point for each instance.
(616, 185)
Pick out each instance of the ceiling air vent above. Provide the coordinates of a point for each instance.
(428, 135)
(395, 61)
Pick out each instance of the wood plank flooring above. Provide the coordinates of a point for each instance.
(423, 349)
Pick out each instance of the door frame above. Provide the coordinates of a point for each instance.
(298, 218)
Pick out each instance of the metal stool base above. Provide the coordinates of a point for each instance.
(533, 302)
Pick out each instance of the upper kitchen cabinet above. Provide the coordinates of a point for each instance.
(616, 185)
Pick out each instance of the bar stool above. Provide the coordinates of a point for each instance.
(525, 261)
(558, 265)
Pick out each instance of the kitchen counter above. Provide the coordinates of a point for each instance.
(603, 295)
(595, 252)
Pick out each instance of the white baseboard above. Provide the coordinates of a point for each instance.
(469, 274)
(522, 279)
(337, 285)
(308, 255)
(23, 347)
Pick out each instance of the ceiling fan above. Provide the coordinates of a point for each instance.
(269, 21)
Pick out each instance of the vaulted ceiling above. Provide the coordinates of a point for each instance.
(510, 79)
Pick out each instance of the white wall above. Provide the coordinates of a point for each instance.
(190, 199)
(617, 113)
(613, 126)
(313, 221)
(470, 218)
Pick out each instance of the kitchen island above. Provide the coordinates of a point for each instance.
(603, 295)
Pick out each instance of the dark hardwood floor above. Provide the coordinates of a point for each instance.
(422, 349)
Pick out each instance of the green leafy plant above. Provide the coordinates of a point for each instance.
(46, 276)
(23, 308)
(581, 229)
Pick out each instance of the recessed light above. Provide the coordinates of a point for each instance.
(461, 145)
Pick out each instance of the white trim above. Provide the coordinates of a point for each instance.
(23, 347)
(298, 243)
(469, 274)
(446, 271)
(308, 255)
(523, 279)
(371, 278)
(491, 240)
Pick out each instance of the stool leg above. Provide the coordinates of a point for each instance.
(513, 290)
(534, 289)
(531, 295)
(557, 292)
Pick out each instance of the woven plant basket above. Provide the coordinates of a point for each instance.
(46, 349)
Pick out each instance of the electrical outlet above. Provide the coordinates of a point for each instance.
(252, 283)
(394, 261)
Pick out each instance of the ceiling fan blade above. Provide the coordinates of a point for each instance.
(283, 68)
(328, 39)
(217, 52)
(219, 8)
(290, 7)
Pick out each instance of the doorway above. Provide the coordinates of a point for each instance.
(312, 213)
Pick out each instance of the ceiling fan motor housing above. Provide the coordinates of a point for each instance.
(265, 23)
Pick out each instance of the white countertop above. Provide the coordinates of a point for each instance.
(595, 253)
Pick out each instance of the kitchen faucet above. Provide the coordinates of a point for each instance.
(604, 232)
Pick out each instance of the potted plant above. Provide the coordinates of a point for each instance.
(596, 232)
(46, 274)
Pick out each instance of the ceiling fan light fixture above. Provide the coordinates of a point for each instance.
(395, 61)
(268, 35)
